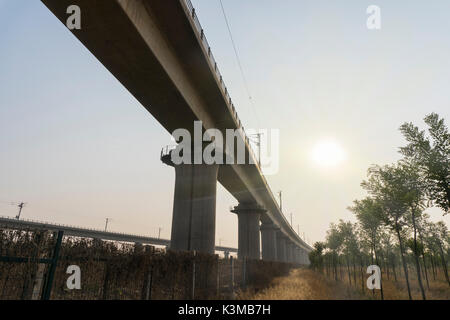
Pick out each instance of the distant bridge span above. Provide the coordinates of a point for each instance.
(91, 233)
(158, 51)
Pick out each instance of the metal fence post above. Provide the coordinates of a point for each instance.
(232, 276)
(193, 278)
(51, 273)
(39, 277)
(244, 273)
(106, 280)
(147, 295)
(218, 277)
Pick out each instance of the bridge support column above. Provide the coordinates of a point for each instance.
(194, 208)
(269, 241)
(297, 255)
(248, 231)
(303, 257)
(293, 252)
(281, 247)
(289, 250)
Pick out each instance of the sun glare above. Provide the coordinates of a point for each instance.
(328, 153)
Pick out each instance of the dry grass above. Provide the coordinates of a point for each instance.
(396, 290)
(306, 284)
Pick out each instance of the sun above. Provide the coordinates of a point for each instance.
(328, 153)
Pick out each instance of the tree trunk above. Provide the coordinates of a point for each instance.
(335, 267)
(393, 270)
(416, 255)
(348, 270)
(405, 268)
(381, 275)
(433, 265)
(385, 263)
(424, 261)
(444, 263)
(362, 273)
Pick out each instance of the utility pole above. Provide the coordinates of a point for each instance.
(258, 144)
(298, 229)
(159, 232)
(20, 205)
(281, 201)
(106, 225)
(291, 219)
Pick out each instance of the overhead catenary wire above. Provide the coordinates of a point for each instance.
(9, 202)
(244, 79)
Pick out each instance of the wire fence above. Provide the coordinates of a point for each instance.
(34, 264)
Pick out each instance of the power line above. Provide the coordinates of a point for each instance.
(12, 203)
(239, 62)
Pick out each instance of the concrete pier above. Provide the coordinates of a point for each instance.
(306, 259)
(248, 230)
(194, 208)
(289, 251)
(269, 241)
(295, 254)
(281, 247)
(298, 255)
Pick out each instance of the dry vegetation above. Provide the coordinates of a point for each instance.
(121, 271)
(307, 284)
(304, 284)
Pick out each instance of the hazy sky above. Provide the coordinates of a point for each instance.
(77, 147)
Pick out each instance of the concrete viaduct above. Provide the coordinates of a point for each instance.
(159, 52)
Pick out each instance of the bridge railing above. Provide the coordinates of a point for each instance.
(229, 101)
(207, 47)
(56, 225)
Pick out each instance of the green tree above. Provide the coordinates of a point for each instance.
(439, 235)
(369, 213)
(432, 154)
(316, 256)
(334, 243)
(386, 185)
(414, 198)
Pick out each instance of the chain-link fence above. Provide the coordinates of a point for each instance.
(33, 265)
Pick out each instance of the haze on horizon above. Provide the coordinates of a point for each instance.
(78, 148)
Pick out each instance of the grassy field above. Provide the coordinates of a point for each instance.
(306, 284)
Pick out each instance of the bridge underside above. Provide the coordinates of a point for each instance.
(150, 48)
